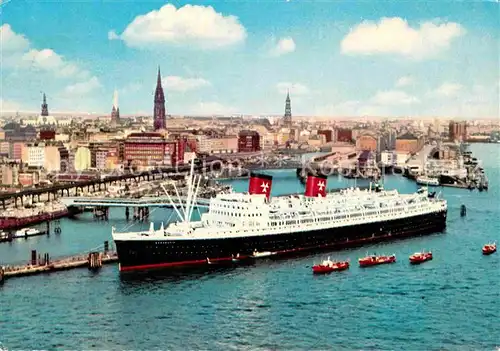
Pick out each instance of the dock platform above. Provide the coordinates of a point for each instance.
(80, 261)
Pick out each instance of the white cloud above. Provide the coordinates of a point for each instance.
(11, 41)
(112, 35)
(176, 83)
(16, 52)
(294, 88)
(477, 101)
(448, 89)
(9, 106)
(404, 81)
(49, 60)
(213, 108)
(83, 88)
(284, 46)
(393, 97)
(195, 25)
(395, 36)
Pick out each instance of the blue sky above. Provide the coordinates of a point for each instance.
(338, 58)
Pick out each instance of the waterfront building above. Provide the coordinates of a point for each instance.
(16, 151)
(64, 159)
(387, 158)
(227, 144)
(52, 158)
(328, 133)
(366, 142)
(409, 143)
(457, 131)
(9, 174)
(159, 113)
(33, 154)
(343, 135)
(248, 141)
(28, 178)
(4, 149)
(82, 159)
(152, 149)
(15, 132)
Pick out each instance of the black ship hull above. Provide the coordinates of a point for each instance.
(149, 254)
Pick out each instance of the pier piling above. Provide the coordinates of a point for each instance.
(95, 260)
(33, 257)
(463, 211)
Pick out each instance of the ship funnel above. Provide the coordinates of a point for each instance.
(151, 227)
(315, 186)
(260, 184)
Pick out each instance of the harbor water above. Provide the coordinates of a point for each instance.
(449, 303)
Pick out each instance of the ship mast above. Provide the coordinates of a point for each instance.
(193, 185)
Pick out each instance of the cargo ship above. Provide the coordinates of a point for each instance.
(244, 225)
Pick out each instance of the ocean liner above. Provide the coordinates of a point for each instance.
(248, 226)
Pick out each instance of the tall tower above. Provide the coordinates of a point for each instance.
(287, 118)
(159, 121)
(45, 107)
(115, 111)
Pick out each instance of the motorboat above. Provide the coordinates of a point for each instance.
(376, 260)
(488, 249)
(420, 257)
(26, 232)
(328, 266)
(4, 236)
(425, 180)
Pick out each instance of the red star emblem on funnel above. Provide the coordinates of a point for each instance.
(265, 187)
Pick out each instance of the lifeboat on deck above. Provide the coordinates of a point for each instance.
(488, 249)
(328, 266)
(376, 260)
(420, 257)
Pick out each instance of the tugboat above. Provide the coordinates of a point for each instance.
(420, 257)
(328, 266)
(488, 249)
(376, 260)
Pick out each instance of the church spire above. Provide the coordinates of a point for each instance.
(287, 118)
(45, 107)
(115, 111)
(159, 121)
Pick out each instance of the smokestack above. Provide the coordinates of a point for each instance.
(315, 186)
(260, 184)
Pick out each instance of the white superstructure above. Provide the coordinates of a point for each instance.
(242, 215)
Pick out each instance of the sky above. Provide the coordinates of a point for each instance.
(337, 57)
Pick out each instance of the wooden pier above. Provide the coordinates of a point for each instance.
(93, 261)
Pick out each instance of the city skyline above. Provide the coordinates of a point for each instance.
(337, 59)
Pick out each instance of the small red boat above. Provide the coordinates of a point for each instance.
(420, 257)
(376, 260)
(488, 249)
(329, 266)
